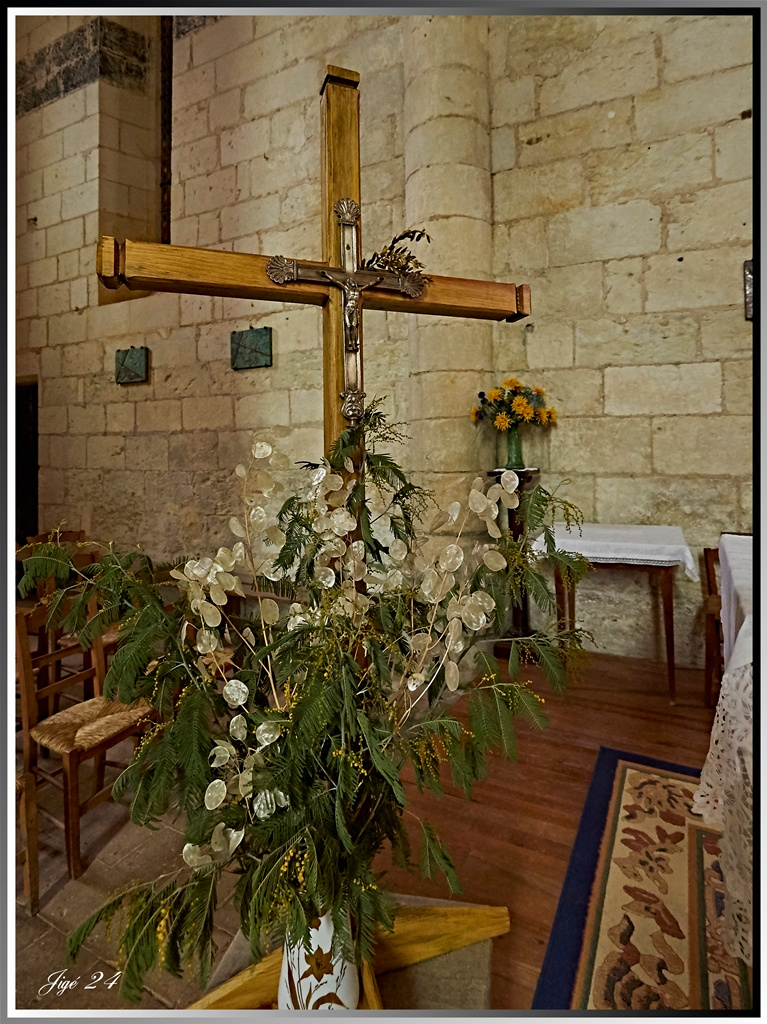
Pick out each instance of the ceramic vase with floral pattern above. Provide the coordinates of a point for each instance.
(312, 979)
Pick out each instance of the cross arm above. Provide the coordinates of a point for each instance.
(174, 268)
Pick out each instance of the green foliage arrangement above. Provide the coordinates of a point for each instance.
(282, 722)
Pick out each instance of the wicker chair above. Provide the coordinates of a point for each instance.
(82, 732)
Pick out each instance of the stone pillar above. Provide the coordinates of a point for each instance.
(448, 192)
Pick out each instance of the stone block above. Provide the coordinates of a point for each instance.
(726, 334)
(577, 488)
(572, 392)
(255, 60)
(379, 139)
(153, 313)
(437, 92)
(29, 187)
(146, 452)
(30, 247)
(196, 309)
(513, 101)
(282, 88)
(639, 340)
(190, 123)
(209, 191)
(601, 445)
(449, 345)
(503, 147)
(301, 241)
(59, 391)
(38, 333)
(574, 133)
(713, 43)
(306, 406)
(460, 247)
(548, 342)
(658, 168)
(702, 508)
(45, 212)
(27, 304)
(702, 445)
(188, 452)
(158, 416)
(569, 291)
(738, 386)
(109, 321)
(446, 445)
(245, 219)
(80, 137)
(52, 299)
(709, 217)
(63, 174)
(194, 86)
(68, 265)
(44, 152)
(650, 390)
(233, 448)
(445, 394)
(262, 410)
(224, 110)
(121, 417)
(52, 419)
(746, 491)
(303, 203)
(448, 140)
(545, 45)
(699, 103)
(78, 294)
(623, 286)
(42, 272)
(214, 413)
(733, 150)
(384, 180)
(245, 142)
(89, 419)
(602, 73)
(594, 233)
(65, 237)
(520, 250)
(708, 277)
(68, 452)
(198, 157)
(538, 191)
(440, 190)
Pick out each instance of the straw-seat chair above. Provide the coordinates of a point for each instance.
(714, 659)
(82, 732)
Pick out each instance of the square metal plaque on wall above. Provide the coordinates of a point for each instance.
(251, 349)
(132, 365)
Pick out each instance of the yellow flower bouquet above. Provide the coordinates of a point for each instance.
(510, 405)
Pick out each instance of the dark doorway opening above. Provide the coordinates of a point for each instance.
(26, 461)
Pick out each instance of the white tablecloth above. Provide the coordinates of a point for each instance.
(725, 794)
(633, 545)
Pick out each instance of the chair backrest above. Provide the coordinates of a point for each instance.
(29, 663)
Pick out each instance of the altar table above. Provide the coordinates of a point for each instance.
(658, 549)
(725, 794)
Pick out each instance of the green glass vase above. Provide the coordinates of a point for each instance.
(514, 459)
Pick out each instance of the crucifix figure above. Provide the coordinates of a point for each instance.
(336, 283)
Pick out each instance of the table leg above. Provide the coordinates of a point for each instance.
(571, 604)
(667, 584)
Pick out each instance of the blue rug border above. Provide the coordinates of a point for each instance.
(560, 964)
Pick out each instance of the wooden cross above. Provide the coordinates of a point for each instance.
(337, 284)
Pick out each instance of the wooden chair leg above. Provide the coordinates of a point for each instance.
(708, 671)
(99, 765)
(29, 833)
(667, 583)
(71, 772)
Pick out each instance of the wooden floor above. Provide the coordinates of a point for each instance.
(511, 844)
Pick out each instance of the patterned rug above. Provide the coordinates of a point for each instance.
(639, 921)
